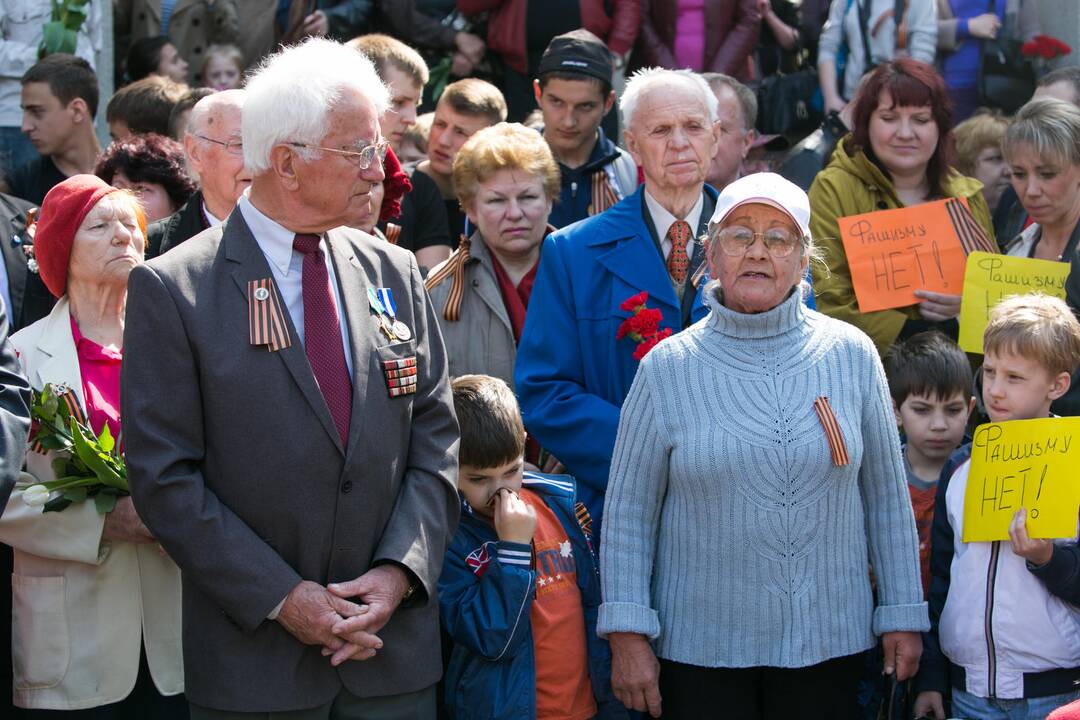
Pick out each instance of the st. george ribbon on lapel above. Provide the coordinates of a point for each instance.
(266, 323)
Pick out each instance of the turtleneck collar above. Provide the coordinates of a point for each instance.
(786, 316)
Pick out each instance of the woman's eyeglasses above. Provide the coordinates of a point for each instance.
(736, 240)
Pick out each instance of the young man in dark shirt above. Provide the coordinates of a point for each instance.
(423, 216)
(464, 108)
(59, 100)
(573, 90)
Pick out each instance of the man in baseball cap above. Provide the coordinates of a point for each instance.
(574, 93)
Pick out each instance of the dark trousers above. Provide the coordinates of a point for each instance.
(144, 703)
(820, 692)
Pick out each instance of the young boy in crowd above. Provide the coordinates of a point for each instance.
(1003, 631)
(930, 382)
(519, 591)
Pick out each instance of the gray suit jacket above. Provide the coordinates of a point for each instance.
(237, 469)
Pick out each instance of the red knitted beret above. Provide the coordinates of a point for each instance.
(62, 212)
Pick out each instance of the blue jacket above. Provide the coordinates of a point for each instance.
(485, 595)
(571, 374)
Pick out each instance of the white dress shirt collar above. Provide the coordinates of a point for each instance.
(211, 218)
(663, 220)
(275, 240)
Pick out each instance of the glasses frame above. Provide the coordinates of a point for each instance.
(770, 248)
(238, 144)
(362, 158)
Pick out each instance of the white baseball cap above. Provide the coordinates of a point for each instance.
(768, 189)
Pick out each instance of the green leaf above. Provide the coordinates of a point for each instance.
(105, 502)
(88, 454)
(52, 38)
(105, 439)
(75, 495)
(51, 442)
(55, 504)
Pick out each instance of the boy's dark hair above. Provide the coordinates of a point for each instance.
(927, 364)
(492, 433)
(145, 105)
(68, 77)
(603, 87)
(144, 56)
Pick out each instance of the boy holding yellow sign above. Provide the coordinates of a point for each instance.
(1002, 636)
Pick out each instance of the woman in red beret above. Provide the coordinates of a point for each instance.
(95, 603)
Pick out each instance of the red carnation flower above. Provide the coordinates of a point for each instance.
(635, 302)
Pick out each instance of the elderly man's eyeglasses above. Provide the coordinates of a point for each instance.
(736, 240)
(362, 156)
(233, 147)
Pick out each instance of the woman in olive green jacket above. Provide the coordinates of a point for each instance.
(896, 156)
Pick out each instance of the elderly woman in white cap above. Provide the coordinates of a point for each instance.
(755, 477)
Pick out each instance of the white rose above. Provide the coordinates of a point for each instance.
(36, 495)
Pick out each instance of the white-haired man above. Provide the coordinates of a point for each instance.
(293, 444)
(574, 365)
(215, 151)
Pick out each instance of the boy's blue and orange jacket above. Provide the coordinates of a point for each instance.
(485, 594)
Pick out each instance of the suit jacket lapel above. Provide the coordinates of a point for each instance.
(60, 358)
(690, 292)
(634, 257)
(250, 264)
(351, 278)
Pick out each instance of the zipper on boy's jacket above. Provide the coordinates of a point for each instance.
(988, 618)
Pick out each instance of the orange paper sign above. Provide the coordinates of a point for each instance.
(893, 253)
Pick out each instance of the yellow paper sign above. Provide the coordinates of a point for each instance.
(1030, 464)
(989, 279)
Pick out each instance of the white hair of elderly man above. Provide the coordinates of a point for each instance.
(649, 80)
(292, 91)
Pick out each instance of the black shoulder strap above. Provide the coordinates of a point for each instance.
(864, 26)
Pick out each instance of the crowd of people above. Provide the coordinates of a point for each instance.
(503, 359)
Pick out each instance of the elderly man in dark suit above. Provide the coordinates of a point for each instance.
(292, 440)
(215, 152)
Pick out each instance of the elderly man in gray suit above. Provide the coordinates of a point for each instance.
(289, 429)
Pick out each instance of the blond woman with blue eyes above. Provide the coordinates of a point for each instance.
(897, 155)
(1042, 150)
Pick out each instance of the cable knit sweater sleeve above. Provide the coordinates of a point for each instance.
(635, 494)
(890, 522)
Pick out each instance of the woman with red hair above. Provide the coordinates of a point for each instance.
(897, 155)
(95, 603)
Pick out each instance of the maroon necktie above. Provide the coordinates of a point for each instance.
(322, 335)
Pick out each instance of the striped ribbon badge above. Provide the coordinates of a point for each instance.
(266, 321)
(453, 268)
(603, 196)
(833, 434)
(971, 235)
(74, 409)
(393, 233)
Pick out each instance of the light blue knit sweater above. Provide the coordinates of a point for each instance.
(729, 536)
